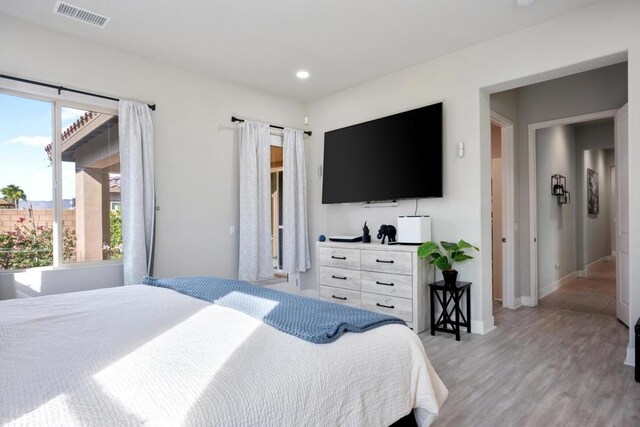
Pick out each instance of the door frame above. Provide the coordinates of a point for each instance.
(622, 275)
(508, 209)
(532, 300)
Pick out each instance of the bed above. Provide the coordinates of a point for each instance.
(147, 355)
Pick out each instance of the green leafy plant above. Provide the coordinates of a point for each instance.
(113, 249)
(445, 255)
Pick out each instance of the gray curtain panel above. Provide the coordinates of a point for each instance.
(135, 130)
(255, 258)
(295, 245)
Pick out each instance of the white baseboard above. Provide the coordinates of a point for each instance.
(482, 327)
(546, 290)
(631, 357)
(517, 303)
(583, 273)
(527, 301)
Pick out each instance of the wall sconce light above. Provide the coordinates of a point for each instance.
(565, 199)
(558, 185)
(559, 189)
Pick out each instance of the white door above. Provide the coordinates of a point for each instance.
(622, 224)
(496, 224)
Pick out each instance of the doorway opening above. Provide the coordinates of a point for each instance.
(502, 212)
(575, 269)
(591, 150)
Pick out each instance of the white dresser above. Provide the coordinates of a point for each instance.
(383, 278)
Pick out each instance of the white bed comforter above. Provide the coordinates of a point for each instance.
(146, 355)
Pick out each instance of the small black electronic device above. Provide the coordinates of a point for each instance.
(345, 239)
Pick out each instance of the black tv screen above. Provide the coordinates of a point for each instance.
(395, 157)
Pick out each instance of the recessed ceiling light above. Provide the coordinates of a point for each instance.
(302, 74)
(525, 3)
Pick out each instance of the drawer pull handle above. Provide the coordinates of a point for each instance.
(385, 284)
(385, 261)
(385, 306)
(340, 298)
(338, 257)
(338, 277)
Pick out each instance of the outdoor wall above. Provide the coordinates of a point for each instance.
(592, 37)
(196, 146)
(557, 226)
(10, 217)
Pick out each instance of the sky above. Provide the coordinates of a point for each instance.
(25, 130)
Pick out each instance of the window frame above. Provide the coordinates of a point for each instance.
(63, 100)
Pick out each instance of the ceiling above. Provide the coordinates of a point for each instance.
(262, 43)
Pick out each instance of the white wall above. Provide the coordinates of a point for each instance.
(557, 226)
(591, 37)
(48, 281)
(195, 150)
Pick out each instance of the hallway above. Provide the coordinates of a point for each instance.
(595, 293)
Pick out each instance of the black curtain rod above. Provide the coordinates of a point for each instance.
(235, 119)
(61, 88)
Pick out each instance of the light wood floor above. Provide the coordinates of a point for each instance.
(540, 367)
(595, 293)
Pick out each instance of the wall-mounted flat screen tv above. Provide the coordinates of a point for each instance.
(391, 158)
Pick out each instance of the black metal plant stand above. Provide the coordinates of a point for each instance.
(451, 319)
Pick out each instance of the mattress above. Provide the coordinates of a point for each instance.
(145, 355)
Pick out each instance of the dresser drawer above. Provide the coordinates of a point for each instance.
(386, 261)
(338, 257)
(340, 296)
(398, 307)
(340, 278)
(395, 285)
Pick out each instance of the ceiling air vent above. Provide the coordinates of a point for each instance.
(80, 14)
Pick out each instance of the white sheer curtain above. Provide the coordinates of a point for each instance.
(255, 257)
(135, 133)
(295, 245)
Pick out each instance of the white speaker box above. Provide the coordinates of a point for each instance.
(414, 229)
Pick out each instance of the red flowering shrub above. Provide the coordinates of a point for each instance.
(32, 246)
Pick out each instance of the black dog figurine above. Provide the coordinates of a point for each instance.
(387, 231)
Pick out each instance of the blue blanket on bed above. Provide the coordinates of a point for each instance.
(312, 320)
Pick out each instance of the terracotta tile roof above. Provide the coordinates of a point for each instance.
(78, 124)
(72, 129)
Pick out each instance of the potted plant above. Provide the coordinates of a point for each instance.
(445, 257)
(366, 237)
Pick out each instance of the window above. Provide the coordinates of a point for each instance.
(90, 163)
(276, 207)
(77, 221)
